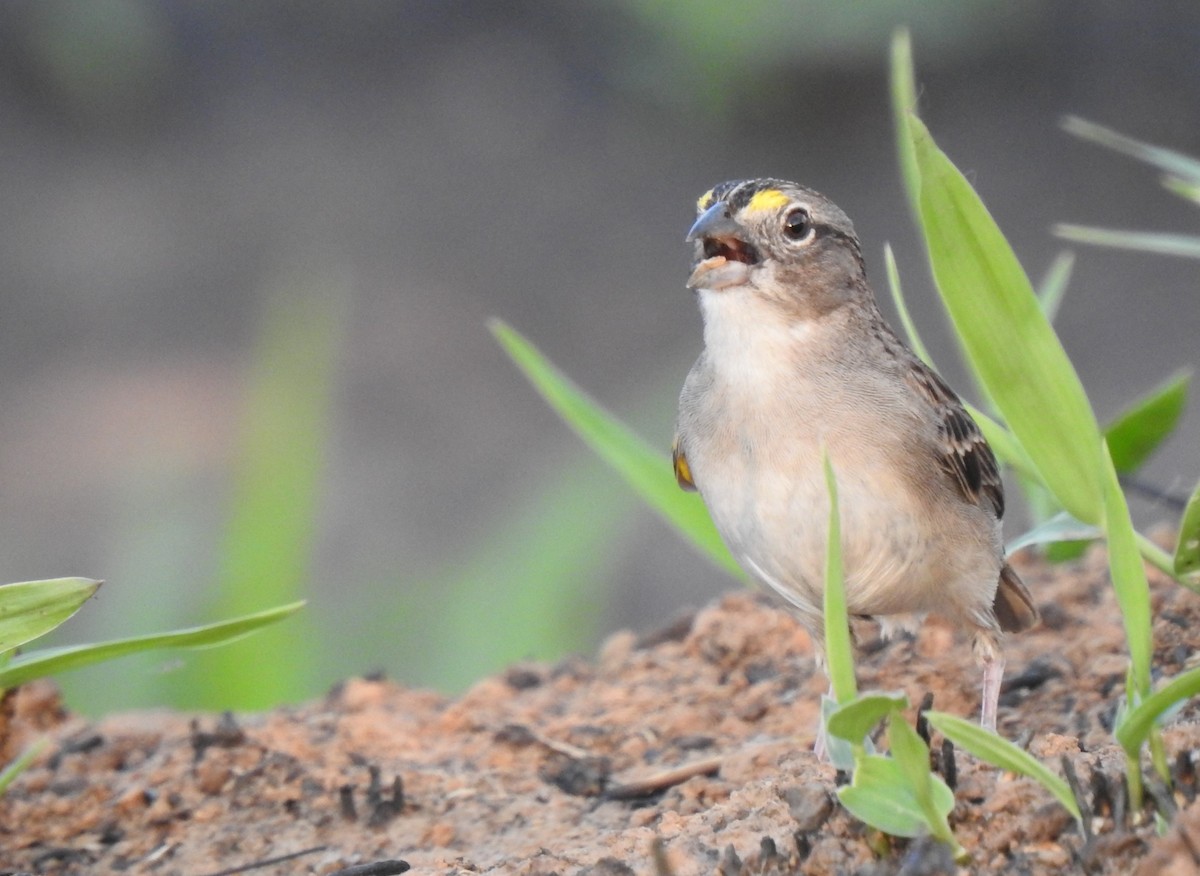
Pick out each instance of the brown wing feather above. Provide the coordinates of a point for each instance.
(965, 454)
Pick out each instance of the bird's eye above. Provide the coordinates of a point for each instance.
(797, 224)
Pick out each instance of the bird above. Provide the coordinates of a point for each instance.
(798, 362)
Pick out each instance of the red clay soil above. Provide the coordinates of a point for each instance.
(567, 769)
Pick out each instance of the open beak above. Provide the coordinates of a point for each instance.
(724, 258)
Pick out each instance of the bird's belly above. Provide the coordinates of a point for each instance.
(775, 521)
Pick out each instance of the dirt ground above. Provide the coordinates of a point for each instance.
(683, 752)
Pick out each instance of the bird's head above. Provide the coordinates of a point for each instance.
(776, 239)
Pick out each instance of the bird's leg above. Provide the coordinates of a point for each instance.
(993, 674)
(987, 651)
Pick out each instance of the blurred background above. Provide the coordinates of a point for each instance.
(247, 253)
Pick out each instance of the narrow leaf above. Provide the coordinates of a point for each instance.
(1140, 428)
(1186, 189)
(1137, 723)
(24, 760)
(1161, 243)
(999, 752)
(50, 661)
(1011, 347)
(29, 609)
(912, 755)
(1167, 160)
(1187, 553)
(904, 105)
(838, 650)
(644, 469)
(854, 720)
(1129, 580)
(1062, 527)
(266, 551)
(910, 328)
(1054, 285)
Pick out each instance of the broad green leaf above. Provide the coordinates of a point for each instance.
(854, 720)
(50, 661)
(999, 752)
(1139, 429)
(904, 104)
(29, 609)
(911, 753)
(644, 469)
(1136, 724)
(1054, 285)
(1062, 527)
(841, 753)
(1011, 347)
(880, 796)
(1129, 580)
(1167, 160)
(1161, 243)
(838, 650)
(24, 760)
(1187, 553)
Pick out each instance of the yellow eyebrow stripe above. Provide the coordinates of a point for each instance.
(705, 201)
(768, 199)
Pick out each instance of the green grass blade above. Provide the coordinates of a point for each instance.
(1001, 753)
(1129, 580)
(1185, 189)
(1008, 341)
(880, 796)
(50, 661)
(1137, 723)
(1054, 285)
(29, 609)
(933, 797)
(838, 650)
(24, 760)
(906, 321)
(1167, 160)
(854, 720)
(648, 472)
(1186, 562)
(1141, 428)
(270, 530)
(1160, 243)
(904, 105)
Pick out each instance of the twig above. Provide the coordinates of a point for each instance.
(268, 862)
(661, 781)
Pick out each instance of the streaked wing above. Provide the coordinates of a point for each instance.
(965, 454)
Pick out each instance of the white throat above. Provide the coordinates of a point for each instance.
(747, 340)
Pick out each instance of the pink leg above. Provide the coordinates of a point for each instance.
(993, 674)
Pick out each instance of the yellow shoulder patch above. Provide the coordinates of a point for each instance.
(704, 202)
(683, 473)
(767, 199)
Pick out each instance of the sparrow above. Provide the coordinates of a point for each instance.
(798, 362)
